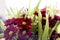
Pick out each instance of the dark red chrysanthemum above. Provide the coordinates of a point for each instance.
(10, 21)
(57, 17)
(10, 32)
(24, 36)
(24, 23)
(55, 35)
(25, 28)
(53, 21)
(43, 12)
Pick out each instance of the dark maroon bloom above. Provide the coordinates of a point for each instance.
(58, 35)
(10, 32)
(43, 12)
(10, 21)
(53, 21)
(25, 26)
(24, 36)
(55, 35)
(57, 17)
(24, 23)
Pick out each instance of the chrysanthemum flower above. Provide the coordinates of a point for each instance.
(43, 12)
(25, 28)
(53, 21)
(55, 35)
(24, 23)
(57, 17)
(23, 35)
(10, 21)
(10, 32)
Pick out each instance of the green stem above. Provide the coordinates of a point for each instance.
(46, 30)
(40, 30)
(54, 27)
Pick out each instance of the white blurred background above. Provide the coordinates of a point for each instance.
(25, 3)
(17, 4)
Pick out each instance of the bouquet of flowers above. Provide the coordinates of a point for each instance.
(32, 24)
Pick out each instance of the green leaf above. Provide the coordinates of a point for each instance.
(10, 12)
(35, 8)
(54, 27)
(46, 29)
(40, 30)
(18, 12)
(28, 12)
(58, 29)
(51, 11)
(2, 25)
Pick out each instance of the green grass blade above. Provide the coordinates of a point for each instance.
(35, 8)
(40, 30)
(46, 29)
(10, 13)
(54, 28)
(51, 11)
(2, 25)
(18, 12)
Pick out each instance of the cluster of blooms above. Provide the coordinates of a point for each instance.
(20, 28)
(52, 22)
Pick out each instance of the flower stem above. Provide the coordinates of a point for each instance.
(46, 30)
(40, 30)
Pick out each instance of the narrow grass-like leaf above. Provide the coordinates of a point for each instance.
(46, 29)
(51, 11)
(58, 28)
(18, 12)
(35, 8)
(54, 27)
(2, 25)
(28, 12)
(40, 30)
(10, 13)
(29, 6)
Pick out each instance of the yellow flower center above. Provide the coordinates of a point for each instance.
(11, 32)
(24, 23)
(24, 32)
(44, 18)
